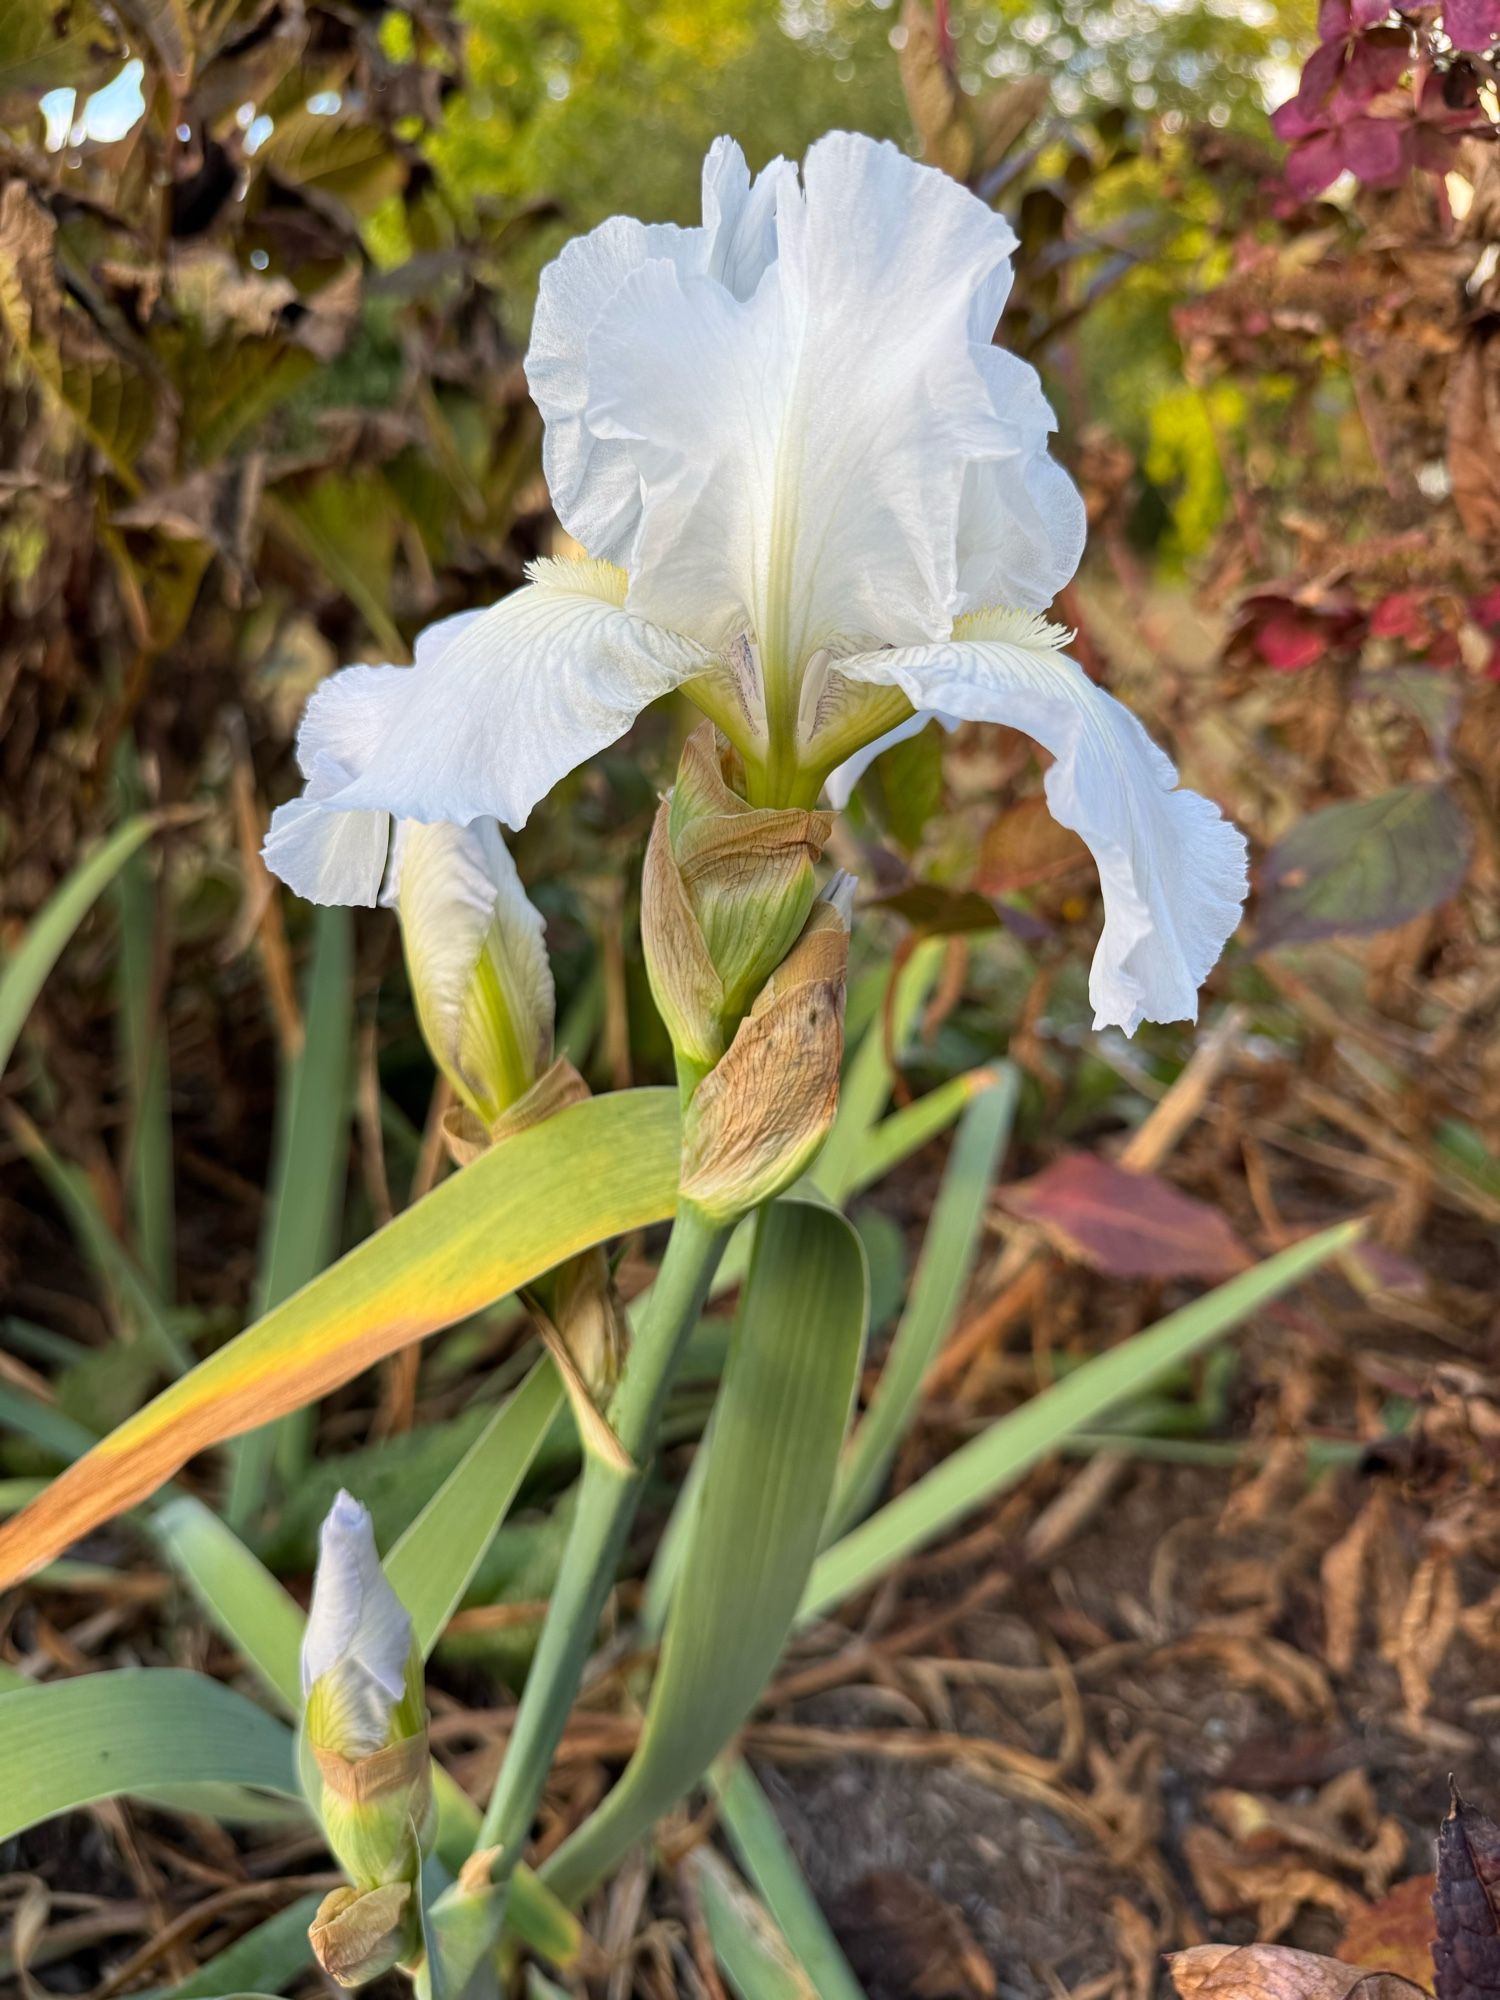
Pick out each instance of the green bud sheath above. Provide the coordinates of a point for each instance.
(725, 893)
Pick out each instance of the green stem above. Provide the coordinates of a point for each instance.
(606, 1505)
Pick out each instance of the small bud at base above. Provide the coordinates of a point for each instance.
(359, 1933)
(757, 1120)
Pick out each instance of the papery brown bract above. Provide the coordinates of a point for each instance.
(756, 1120)
(359, 1933)
(1276, 1972)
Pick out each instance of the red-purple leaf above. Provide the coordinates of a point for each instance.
(1377, 62)
(1471, 24)
(1338, 18)
(1365, 866)
(1377, 151)
(1297, 118)
(935, 911)
(1401, 615)
(1287, 640)
(1466, 1954)
(1371, 1267)
(1126, 1225)
(1319, 75)
(1313, 165)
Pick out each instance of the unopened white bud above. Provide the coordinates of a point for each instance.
(477, 958)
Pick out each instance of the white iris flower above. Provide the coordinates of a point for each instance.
(817, 499)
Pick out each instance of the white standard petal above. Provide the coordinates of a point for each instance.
(323, 853)
(1022, 525)
(1171, 866)
(802, 451)
(739, 216)
(593, 481)
(477, 954)
(501, 705)
(357, 1629)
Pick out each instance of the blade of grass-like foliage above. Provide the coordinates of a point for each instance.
(305, 1200)
(1465, 1150)
(430, 1567)
(867, 1078)
(991, 1461)
(915, 1125)
(25, 972)
(756, 1958)
(307, 1174)
(779, 1424)
(235, 1805)
(261, 1617)
(947, 1258)
(892, 1140)
(672, 1547)
(53, 1429)
(148, 1170)
(265, 1959)
(135, 1301)
(71, 1743)
(540, 1987)
(757, 1838)
(40, 1343)
(245, 1600)
(593, 1171)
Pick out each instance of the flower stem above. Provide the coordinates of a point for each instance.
(606, 1505)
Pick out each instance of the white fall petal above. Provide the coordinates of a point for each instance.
(358, 1637)
(319, 848)
(477, 955)
(1171, 866)
(499, 706)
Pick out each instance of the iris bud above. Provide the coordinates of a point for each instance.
(725, 892)
(477, 958)
(365, 1723)
(360, 1933)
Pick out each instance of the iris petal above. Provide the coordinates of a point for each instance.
(357, 1629)
(500, 705)
(461, 901)
(593, 481)
(801, 452)
(1171, 867)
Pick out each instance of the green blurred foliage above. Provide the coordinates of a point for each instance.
(579, 109)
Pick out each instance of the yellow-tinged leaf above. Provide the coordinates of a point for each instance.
(595, 1170)
(46, 45)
